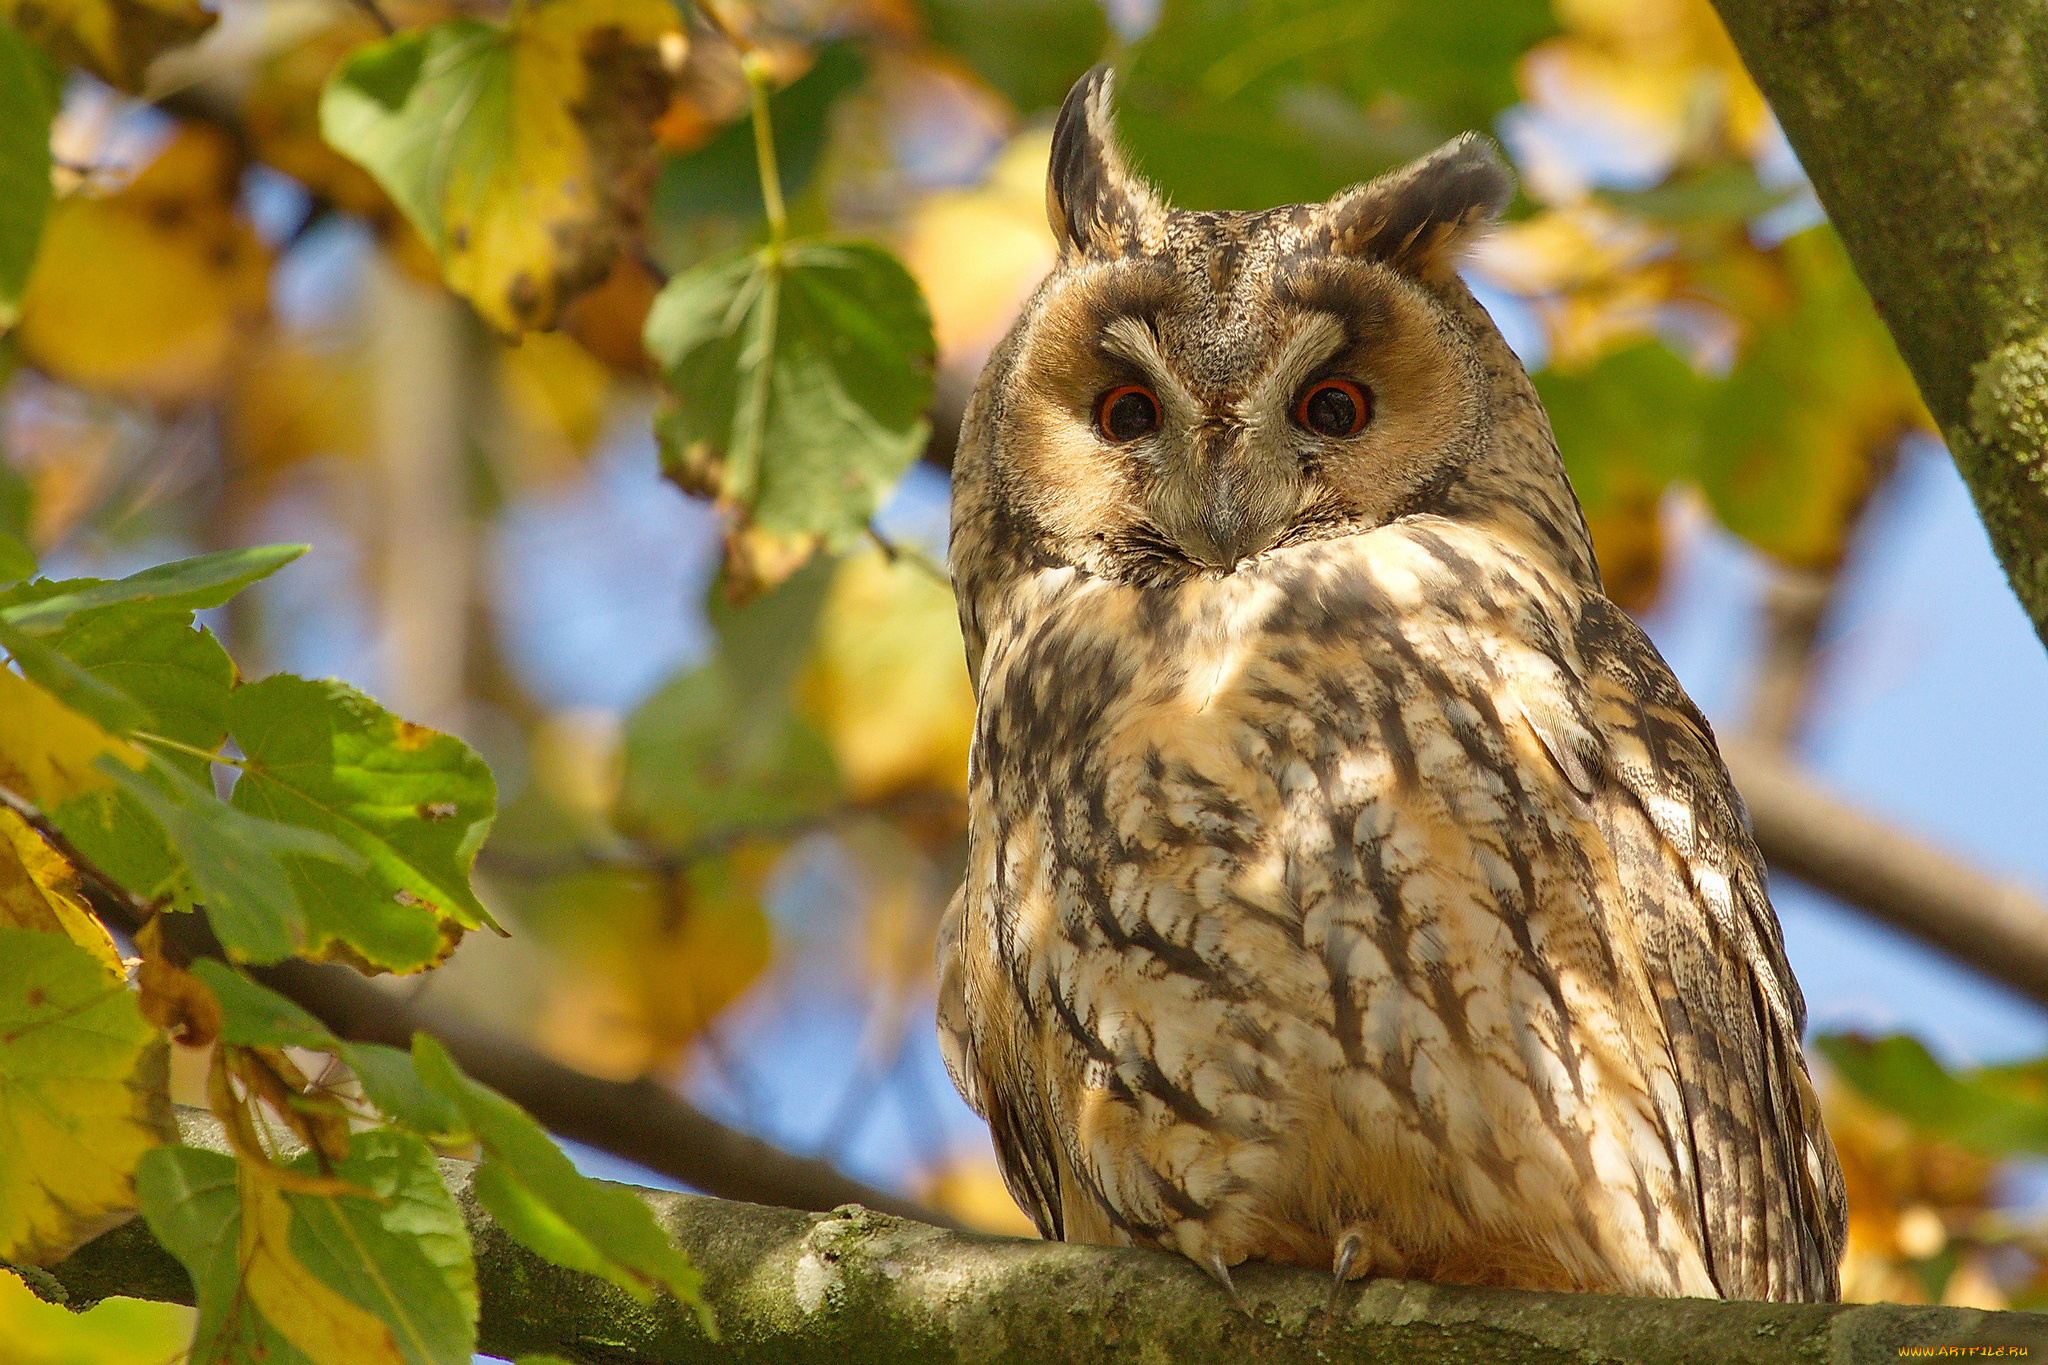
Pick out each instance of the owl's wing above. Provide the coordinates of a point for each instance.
(1024, 1144)
(1770, 1193)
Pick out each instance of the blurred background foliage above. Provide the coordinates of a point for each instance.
(734, 810)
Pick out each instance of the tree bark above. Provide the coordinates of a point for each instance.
(853, 1285)
(1924, 126)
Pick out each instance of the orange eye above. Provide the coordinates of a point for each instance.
(1127, 412)
(1335, 407)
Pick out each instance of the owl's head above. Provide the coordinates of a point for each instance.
(1189, 390)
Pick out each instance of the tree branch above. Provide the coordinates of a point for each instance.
(1998, 928)
(793, 1288)
(1923, 125)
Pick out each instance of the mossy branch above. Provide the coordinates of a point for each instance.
(854, 1285)
(1924, 125)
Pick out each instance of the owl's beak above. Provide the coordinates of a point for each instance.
(1239, 501)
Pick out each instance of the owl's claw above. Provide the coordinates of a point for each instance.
(1347, 1252)
(1221, 1272)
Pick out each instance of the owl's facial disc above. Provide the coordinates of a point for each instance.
(1220, 478)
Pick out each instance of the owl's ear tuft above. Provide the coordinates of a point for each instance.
(1097, 207)
(1419, 218)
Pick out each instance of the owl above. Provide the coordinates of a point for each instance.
(1350, 884)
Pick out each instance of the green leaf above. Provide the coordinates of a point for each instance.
(193, 1205)
(1251, 103)
(1029, 50)
(402, 1254)
(253, 1015)
(186, 585)
(1630, 422)
(720, 747)
(17, 561)
(28, 101)
(1815, 406)
(1996, 1111)
(393, 1084)
(801, 382)
(1719, 195)
(72, 684)
(385, 1276)
(543, 1202)
(412, 803)
(722, 179)
(133, 665)
(84, 1093)
(234, 863)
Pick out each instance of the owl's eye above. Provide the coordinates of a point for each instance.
(1127, 412)
(1335, 407)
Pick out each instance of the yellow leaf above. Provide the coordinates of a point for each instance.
(525, 155)
(298, 1303)
(149, 292)
(558, 391)
(83, 1094)
(39, 890)
(113, 1332)
(973, 1192)
(116, 40)
(648, 961)
(888, 682)
(979, 253)
(542, 224)
(47, 750)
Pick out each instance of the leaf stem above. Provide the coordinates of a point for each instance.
(764, 152)
(181, 747)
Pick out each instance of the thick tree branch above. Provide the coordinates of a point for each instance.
(1998, 928)
(1924, 124)
(793, 1288)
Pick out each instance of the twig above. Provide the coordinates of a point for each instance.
(377, 16)
(741, 43)
(895, 551)
(1997, 927)
(1795, 604)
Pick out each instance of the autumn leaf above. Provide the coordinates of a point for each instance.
(49, 752)
(380, 1277)
(149, 292)
(524, 154)
(39, 890)
(647, 960)
(116, 40)
(83, 1095)
(885, 684)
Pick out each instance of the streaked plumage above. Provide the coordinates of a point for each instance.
(1350, 883)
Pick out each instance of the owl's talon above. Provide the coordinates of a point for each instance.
(1347, 1252)
(1221, 1272)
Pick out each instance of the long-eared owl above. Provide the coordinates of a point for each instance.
(1350, 883)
